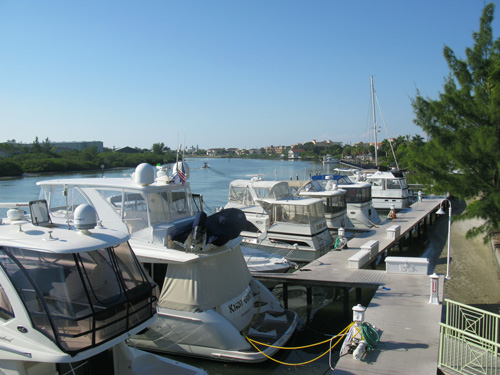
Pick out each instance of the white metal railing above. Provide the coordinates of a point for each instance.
(469, 340)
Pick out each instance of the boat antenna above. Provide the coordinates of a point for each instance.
(177, 153)
(374, 120)
(65, 193)
(183, 150)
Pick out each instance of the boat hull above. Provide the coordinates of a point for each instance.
(208, 334)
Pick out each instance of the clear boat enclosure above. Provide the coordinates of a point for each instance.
(296, 211)
(241, 193)
(360, 192)
(334, 199)
(387, 182)
(144, 210)
(78, 300)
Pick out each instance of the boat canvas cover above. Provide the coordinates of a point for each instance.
(221, 227)
(201, 285)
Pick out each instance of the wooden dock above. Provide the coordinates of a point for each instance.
(407, 322)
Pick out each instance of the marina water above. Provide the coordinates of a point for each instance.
(317, 322)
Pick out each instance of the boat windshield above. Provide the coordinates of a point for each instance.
(358, 195)
(396, 184)
(277, 191)
(62, 201)
(141, 210)
(240, 195)
(335, 204)
(299, 214)
(80, 300)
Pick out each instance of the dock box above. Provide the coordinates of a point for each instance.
(359, 259)
(408, 265)
(393, 232)
(372, 246)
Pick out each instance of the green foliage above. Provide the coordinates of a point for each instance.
(47, 160)
(158, 148)
(9, 168)
(463, 154)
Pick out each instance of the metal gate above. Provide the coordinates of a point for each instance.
(469, 340)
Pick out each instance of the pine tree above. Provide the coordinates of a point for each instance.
(462, 156)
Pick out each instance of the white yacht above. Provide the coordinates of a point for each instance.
(360, 209)
(207, 291)
(330, 160)
(389, 188)
(334, 201)
(278, 222)
(70, 296)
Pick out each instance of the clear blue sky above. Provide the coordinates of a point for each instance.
(222, 73)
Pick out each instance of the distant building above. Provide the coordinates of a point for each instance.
(77, 146)
(216, 151)
(294, 153)
(128, 150)
(252, 151)
(326, 143)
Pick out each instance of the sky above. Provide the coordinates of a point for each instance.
(223, 73)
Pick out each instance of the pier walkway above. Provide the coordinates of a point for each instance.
(408, 324)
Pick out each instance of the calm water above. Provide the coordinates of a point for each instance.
(213, 182)
(323, 319)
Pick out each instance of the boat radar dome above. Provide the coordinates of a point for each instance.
(85, 217)
(144, 174)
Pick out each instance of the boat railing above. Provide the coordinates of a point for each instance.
(469, 340)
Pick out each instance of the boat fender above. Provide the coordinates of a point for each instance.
(360, 350)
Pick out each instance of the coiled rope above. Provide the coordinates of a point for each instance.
(370, 335)
(340, 336)
(340, 243)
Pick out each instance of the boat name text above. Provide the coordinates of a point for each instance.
(233, 307)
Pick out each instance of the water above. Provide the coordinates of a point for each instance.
(213, 182)
(323, 319)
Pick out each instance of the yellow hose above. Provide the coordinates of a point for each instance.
(341, 334)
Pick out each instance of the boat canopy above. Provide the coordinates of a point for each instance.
(144, 210)
(201, 285)
(339, 179)
(388, 180)
(246, 192)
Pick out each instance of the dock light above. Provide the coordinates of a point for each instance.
(434, 298)
(341, 232)
(358, 314)
(441, 211)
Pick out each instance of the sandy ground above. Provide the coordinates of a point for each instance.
(474, 273)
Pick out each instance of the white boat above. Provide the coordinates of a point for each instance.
(278, 222)
(360, 209)
(389, 188)
(330, 160)
(208, 293)
(334, 201)
(70, 296)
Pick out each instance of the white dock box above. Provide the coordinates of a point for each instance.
(372, 246)
(359, 259)
(415, 266)
(393, 232)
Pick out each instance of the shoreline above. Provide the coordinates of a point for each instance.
(474, 265)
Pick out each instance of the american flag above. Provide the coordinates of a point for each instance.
(181, 175)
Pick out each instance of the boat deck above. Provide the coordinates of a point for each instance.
(408, 324)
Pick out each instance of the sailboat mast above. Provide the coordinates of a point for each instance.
(374, 121)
